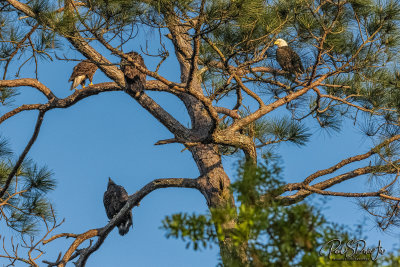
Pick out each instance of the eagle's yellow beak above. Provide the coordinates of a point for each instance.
(276, 42)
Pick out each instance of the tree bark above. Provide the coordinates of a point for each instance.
(214, 185)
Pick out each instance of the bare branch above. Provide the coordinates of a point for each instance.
(196, 46)
(24, 153)
(303, 193)
(18, 110)
(17, 48)
(229, 112)
(31, 83)
(175, 140)
(31, 246)
(103, 232)
(144, 100)
(345, 162)
(345, 194)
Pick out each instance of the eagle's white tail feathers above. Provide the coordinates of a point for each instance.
(77, 81)
(123, 228)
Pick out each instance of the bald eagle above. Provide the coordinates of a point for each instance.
(287, 58)
(84, 70)
(134, 79)
(114, 199)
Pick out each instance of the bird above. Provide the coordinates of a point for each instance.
(134, 79)
(287, 58)
(84, 70)
(114, 199)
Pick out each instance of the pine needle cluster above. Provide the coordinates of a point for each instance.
(24, 203)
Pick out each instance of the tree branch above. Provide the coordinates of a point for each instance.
(143, 99)
(79, 43)
(31, 83)
(268, 108)
(18, 110)
(17, 48)
(303, 193)
(24, 153)
(159, 113)
(229, 112)
(341, 164)
(196, 46)
(103, 232)
(345, 194)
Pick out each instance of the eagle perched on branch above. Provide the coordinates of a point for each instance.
(287, 58)
(114, 199)
(84, 70)
(134, 79)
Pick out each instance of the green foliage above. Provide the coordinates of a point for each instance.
(240, 26)
(112, 15)
(276, 235)
(356, 42)
(39, 178)
(7, 95)
(271, 131)
(360, 41)
(282, 129)
(254, 182)
(25, 204)
(392, 259)
(198, 231)
(24, 40)
(4, 149)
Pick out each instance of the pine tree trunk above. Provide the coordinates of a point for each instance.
(214, 182)
(215, 188)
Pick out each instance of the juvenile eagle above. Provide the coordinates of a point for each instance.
(84, 70)
(114, 199)
(134, 79)
(287, 58)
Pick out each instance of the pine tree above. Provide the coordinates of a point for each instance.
(230, 84)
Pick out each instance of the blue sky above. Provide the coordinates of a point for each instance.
(110, 135)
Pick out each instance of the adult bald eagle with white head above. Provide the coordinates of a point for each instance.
(287, 58)
(82, 71)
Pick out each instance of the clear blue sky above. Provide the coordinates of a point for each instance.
(111, 135)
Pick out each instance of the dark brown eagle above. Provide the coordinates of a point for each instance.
(287, 58)
(84, 70)
(134, 79)
(114, 199)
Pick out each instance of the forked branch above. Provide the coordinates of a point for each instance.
(102, 233)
